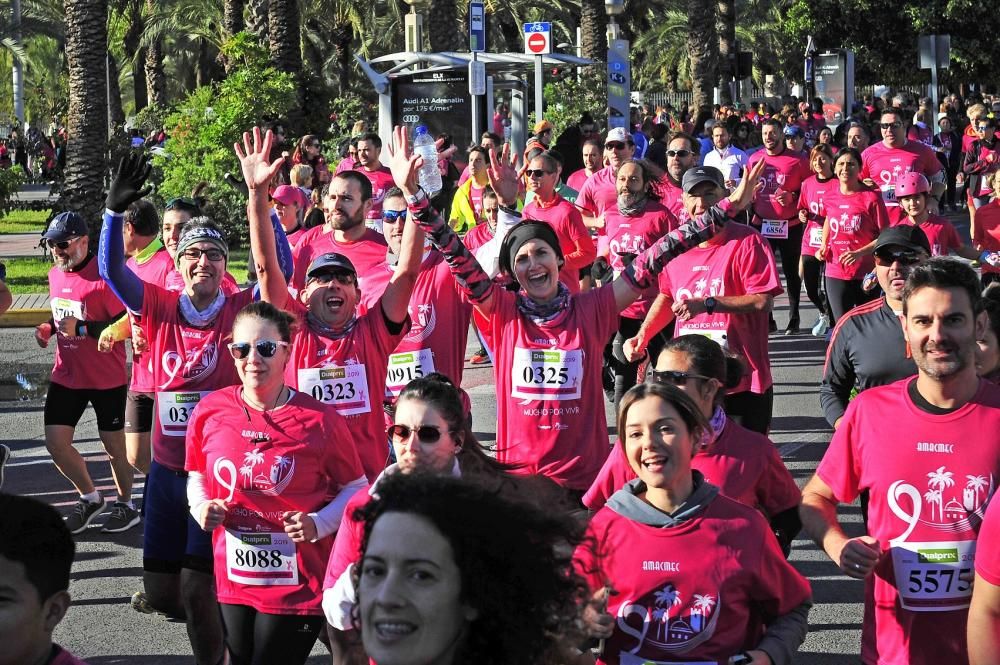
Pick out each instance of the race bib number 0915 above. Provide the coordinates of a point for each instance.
(547, 374)
(405, 367)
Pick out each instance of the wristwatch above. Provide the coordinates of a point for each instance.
(710, 303)
(421, 195)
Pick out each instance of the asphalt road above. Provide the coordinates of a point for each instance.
(102, 628)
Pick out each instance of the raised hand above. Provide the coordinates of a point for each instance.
(253, 156)
(744, 194)
(403, 164)
(503, 176)
(127, 187)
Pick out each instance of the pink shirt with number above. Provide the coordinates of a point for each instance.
(293, 459)
(855, 220)
(928, 478)
(188, 362)
(350, 374)
(784, 173)
(885, 165)
(811, 200)
(83, 295)
(550, 405)
(630, 236)
(367, 254)
(153, 271)
(738, 262)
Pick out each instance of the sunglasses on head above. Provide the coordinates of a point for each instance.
(266, 348)
(888, 257)
(614, 145)
(342, 277)
(182, 203)
(683, 154)
(393, 215)
(670, 377)
(536, 173)
(890, 125)
(425, 433)
(61, 244)
(195, 254)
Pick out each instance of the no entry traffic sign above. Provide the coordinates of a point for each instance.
(537, 38)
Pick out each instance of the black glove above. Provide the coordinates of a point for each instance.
(126, 188)
(601, 270)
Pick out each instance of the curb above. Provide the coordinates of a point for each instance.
(24, 318)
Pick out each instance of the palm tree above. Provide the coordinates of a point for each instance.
(286, 52)
(668, 596)
(940, 479)
(593, 26)
(935, 497)
(86, 55)
(727, 47)
(257, 19)
(232, 12)
(973, 487)
(443, 29)
(702, 50)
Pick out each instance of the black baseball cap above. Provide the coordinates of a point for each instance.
(329, 263)
(700, 174)
(905, 236)
(66, 225)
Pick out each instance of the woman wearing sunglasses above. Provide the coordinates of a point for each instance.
(982, 160)
(309, 151)
(743, 464)
(696, 576)
(263, 461)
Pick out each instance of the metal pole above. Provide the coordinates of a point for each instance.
(477, 101)
(539, 96)
(934, 82)
(18, 67)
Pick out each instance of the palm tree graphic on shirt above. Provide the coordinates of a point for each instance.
(667, 597)
(973, 487)
(938, 480)
(251, 459)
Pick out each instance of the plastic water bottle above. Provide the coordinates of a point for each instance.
(430, 174)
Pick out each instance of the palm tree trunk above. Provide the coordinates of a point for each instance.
(444, 30)
(140, 82)
(156, 79)
(511, 32)
(232, 16)
(286, 52)
(702, 46)
(593, 28)
(86, 54)
(117, 113)
(257, 22)
(727, 47)
(342, 45)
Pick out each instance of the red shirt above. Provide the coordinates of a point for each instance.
(784, 172)
(941, 235)
(348, 373)
(381, 179)
(154, 270)
(293, 458)
(567, 222)
(737, 262)
(550, 406)
(367, 254)
(884, 165)
(855, 220)
(700, 591)
(988, 561)
(811, 200)
(599, 192)
(929, 478)
(478, 235)
(744, 465)
(986, 231)
(577, 178)
(630, 236)
(188, 362)
(85, 296)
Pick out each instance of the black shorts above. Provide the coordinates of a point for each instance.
(65, 406)
(138, 413)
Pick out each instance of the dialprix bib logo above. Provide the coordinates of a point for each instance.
(257, 539)
(187, 398)
(938, 556)
(333, 373)
(545, 357)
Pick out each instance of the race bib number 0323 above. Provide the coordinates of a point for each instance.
(174, 410)
(346, 387)
(547, 374)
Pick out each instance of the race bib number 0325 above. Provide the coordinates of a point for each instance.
(174, 410)
(547, 374)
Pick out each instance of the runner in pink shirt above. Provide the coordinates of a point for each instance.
(812, 214)
(270, 473)
(925, 450)
(986, 236)
(682, 156)
(176, 214)
(369, 165)
(678, 570)
(982, 160)
(884, 162)
(593, 161)
(912, 192)
(984, 610)
(855, 215)
(599, 192)
(290, 205)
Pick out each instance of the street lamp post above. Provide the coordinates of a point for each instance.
(413, 25)
(619, 77)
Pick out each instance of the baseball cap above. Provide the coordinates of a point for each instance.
(288, 195)
(66, 225)
(331, 261)
(542, 125)
(904, 235)
(794, 130)
(618, 134)
(700, 174)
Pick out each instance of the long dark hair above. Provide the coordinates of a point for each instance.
(707, 358)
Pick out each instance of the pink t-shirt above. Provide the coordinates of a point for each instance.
(577, 178)
(855, 220)
(381, 179)
(986, 232)
(701, 591)
(347, 543)
(294, 458)
(175, 282)
(885, 165)
(738, 262)
(630, 236)
(367, 254)
(744, 465)
(295, 236)
(988, 561)
(477, 236)
(784, 172)
(550, 406)
(929, 478)
(811, 200)
(672, 196)
(63, 657)
(85, 296)
(348, 373)
(566, 220)
(154, 270)
(941, 235)
(598, 193)
(188, 362)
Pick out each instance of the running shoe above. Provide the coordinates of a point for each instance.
(123, 517)
(793, 327)
(4, 457)
(821, 326)
(480, 357)
(83, 514)
(141, 604)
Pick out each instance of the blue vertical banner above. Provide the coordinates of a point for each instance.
(619, 84)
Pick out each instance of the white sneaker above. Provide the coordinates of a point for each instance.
(822, 325)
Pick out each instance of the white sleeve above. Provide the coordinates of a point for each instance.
(328, 517)
(196, 492)
(339, 600)
(489, 254)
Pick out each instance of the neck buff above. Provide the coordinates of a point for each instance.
(717, 423)
(203, 318)
(543, 312)
(637, 206)
(324, 330)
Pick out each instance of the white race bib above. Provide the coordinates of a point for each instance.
(774, 228)
(927, 574)
(174, 410)
(889, 195)
(625, 658)
(547, 374)
(346, 387)
(718, 335)
(816, 237)
(405, 367)
(261, 559)
(64, 307)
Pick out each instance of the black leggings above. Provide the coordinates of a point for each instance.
(625, 372)
(790, 249)
(812, 276)
(256, 638)
(843, 295)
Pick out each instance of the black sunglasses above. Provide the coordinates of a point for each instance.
(345, 278)
(393, 215)
(683, 154)
(670, 377)
(890, 125)
(62, 244)
(425, 433)
(266, 348)
(537, 173)
(615, 145)
(887, 258)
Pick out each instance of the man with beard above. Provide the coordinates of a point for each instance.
(370, 166)
(726, 157)
(907, 444)
(347, 202)
(82, 306)
(598, 192)
(682, 155)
